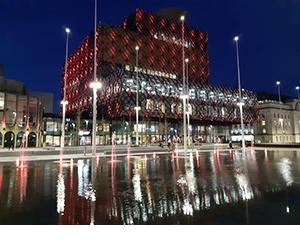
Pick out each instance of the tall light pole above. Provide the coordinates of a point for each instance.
(188, 104)
(95, 85)
(184, 95)
(137, 107)
(64, 102)
(241, 102)
(278, 86)
(297, 89)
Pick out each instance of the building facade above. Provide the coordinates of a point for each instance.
(20, 115)
(278, 122)
(214, 109)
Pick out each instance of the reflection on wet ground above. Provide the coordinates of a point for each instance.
(217, 187)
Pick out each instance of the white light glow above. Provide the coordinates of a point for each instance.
(284, 166)
(64, 102)
(96, 85)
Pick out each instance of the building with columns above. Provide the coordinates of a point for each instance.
(20, 115)
(279, 122)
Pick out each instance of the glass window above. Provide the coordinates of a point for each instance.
(179, 108)
(149, 104)
(51, 126)
(11, 111)
(0, 139)
(173, 107)
(22, 111)
(32, 110)
(162, 107)
(2, 101)
(1, 118)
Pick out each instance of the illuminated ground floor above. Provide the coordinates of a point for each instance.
(79, 132)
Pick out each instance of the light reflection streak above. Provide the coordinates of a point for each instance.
(22, 182)
(284, 166)
(83, 176)
(148, 187)
(245, 189)
(71, 173)
(190, 175)
(113, 182)
(60, 196)
(136, 181)
(11, 187)
(1, 178)
(60, 193)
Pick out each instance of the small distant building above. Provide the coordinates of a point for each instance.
(46, 99)
(279, 122)
(20, 115)
(52, 130)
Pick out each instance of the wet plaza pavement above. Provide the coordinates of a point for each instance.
(216, 187)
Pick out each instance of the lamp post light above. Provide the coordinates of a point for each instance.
(95, 85)
(137, 107)
(278, 86)
(241, 102)
(297, 89)
(64, 102)
(184, 95)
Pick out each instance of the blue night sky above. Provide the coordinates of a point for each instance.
(32, 38)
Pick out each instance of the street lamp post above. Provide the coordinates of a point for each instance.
(188, 113)
(297, 89)
(95, 85)
(64, 102)
(278, 86)
(137, 107)
(241, 103)
(184, 95)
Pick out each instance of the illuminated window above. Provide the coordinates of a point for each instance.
(32, 110)
(179, 108)
(11, 112)
(22, 111)
(173, 107)
(149, 104)
(263, 123)
(162, 107)
(1, 101)
(51, 126)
